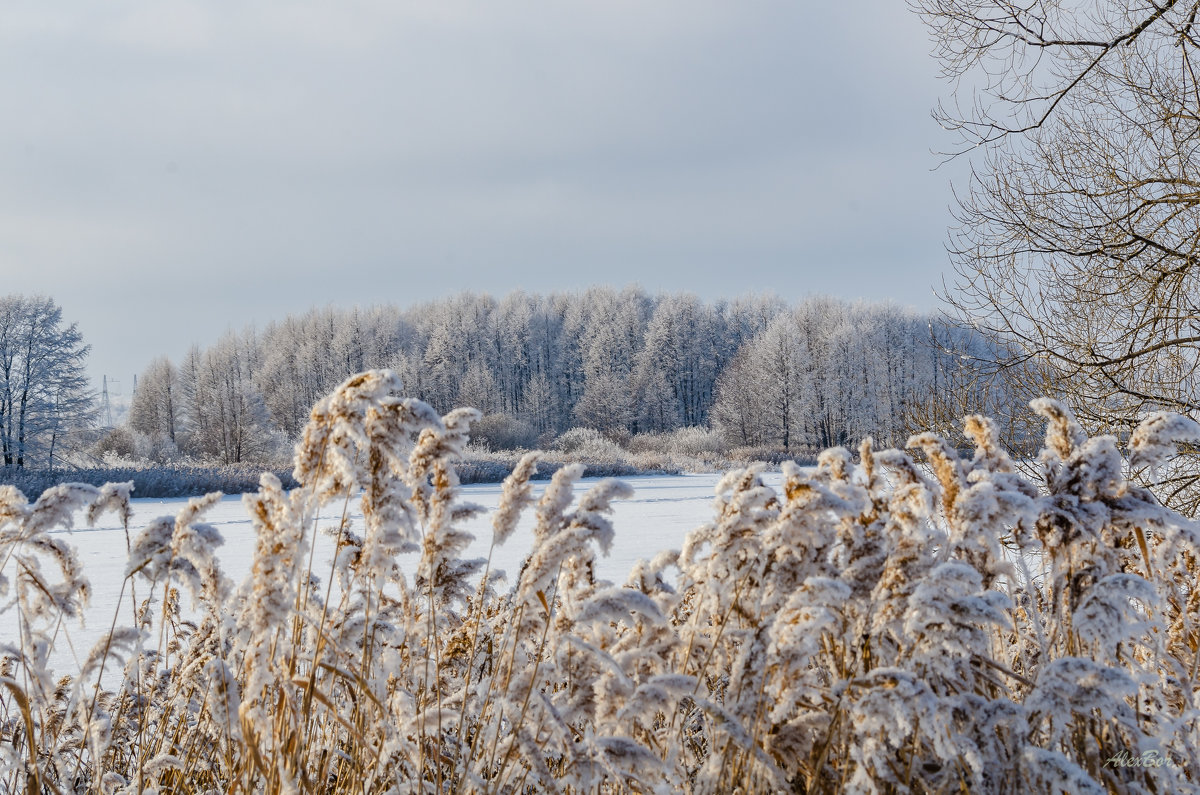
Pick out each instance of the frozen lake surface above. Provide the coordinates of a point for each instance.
(663, 509)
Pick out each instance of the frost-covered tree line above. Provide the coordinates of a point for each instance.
(761, 372)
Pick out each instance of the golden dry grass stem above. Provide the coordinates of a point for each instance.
(879, 626)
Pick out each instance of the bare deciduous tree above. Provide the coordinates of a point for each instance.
(1077, 240)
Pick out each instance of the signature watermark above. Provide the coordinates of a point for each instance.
(1146, 759)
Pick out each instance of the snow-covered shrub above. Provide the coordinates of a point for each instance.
(493, 466)
(157, 447)
(124, 446)
(588, 443)
(694, 442)
(874, 625)
(769, 455)
(503, 432)
(683, 450)
(118, 444)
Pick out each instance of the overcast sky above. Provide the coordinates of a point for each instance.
(169, 170)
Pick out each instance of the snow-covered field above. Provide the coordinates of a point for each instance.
(661, 512)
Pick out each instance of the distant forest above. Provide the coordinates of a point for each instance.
(757, 371)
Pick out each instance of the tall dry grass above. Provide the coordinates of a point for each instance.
(868, 627)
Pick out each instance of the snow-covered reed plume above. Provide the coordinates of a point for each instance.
(881, 623)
